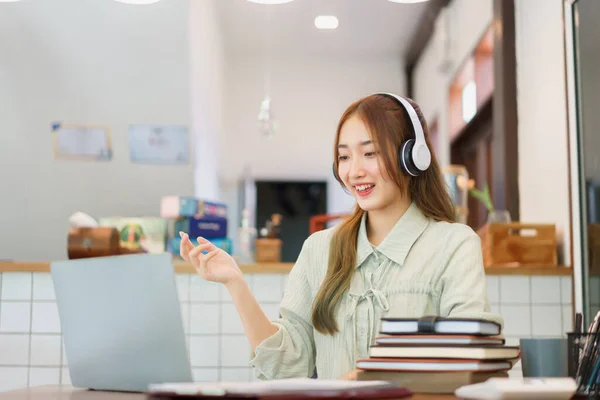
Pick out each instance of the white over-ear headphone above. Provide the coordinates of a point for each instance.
(414, 155)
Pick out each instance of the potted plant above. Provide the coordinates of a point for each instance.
(485, 197)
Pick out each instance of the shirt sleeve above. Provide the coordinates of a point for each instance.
(290, 352)
(463, 283)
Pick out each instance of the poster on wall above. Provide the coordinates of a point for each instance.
(159, 144)
(81, 142)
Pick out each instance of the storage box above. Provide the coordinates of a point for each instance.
(182, 206)
(84, 242)
(519, 244)
(222, 243)
(143, 234)
(268, 250)
(207, 227)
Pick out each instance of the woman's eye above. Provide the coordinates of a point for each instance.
(342, 158)
(371, 154)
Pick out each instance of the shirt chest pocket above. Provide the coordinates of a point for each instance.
(413, 299)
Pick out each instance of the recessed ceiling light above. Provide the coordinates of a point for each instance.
(270, 1)
(326, 22)
(138, 1)
(408, 1)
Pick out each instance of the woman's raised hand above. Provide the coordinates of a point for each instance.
(216, 265)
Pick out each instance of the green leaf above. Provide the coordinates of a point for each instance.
(483, 196)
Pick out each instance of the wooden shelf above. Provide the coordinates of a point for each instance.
(529, 270)
(182, 267)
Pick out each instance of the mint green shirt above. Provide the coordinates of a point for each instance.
(423, 267)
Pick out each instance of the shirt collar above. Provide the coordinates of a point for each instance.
(398, 242)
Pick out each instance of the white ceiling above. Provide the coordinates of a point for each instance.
(367, 28)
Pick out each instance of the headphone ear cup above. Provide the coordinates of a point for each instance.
(406, 160)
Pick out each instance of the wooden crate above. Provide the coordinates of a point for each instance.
(519, 244)
(268, 250)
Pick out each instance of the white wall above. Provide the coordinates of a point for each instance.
(308, 98)
(91, 62)
(452, 41)
(541, 99)
(542, 115)
(206, 65)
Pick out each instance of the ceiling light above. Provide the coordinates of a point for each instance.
(138, 1)
(408, 1)
(326, 22)
(270, 1)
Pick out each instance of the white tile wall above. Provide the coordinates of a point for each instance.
(517, 319)
(268, 287)
(205, 318)
(546, 321)
(44, 318)
(545, 290)
(515, 290)
(32, 350)
(235, 374)
(493, 289)
(43, 289)
(205, 374)
(537, 306)
(13, 378)
(16, 286)
(201, 290)
(14, 349)
(235, 351)
(15, 316)
(43, 376)
(46, 350)
(205, 351)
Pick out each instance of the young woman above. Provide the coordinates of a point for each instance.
(399, 254)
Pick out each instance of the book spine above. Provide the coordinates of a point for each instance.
(211, 209)
(207, 227)
(186, 206)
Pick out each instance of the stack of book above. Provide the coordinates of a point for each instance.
(437, 355)
(197, 218)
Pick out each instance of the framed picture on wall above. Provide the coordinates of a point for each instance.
(81, 142)
(159, 144)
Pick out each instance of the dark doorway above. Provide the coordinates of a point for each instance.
(296, 201)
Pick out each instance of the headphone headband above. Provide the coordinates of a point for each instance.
(418, 152)
(414, 156)
(412, 113)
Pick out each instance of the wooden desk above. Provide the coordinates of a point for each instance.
(70, 393)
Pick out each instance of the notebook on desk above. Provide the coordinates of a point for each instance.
(438, 325)
(490, 352)
(279, 389)
(433, 365)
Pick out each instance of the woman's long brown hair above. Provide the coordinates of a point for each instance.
(389, 126)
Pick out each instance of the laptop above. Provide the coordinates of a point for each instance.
(121, 322)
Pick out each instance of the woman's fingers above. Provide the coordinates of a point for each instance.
(201, 240)
(199, 249)
(211, 255)
(193, 254)
(185, 246)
